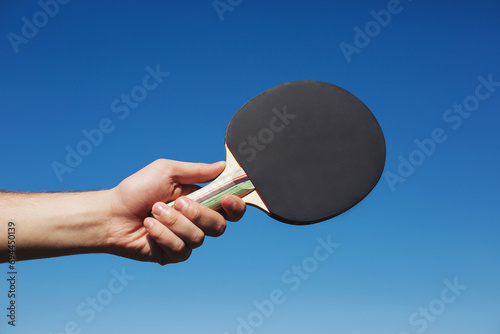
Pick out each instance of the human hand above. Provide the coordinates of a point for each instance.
(170, 235)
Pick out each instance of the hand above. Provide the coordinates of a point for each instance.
(171, 234)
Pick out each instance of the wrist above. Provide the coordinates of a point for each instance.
(88, 221)
(117, 234)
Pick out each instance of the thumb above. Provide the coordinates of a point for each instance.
(189, 172)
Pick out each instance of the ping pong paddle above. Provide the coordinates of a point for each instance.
(303, 152)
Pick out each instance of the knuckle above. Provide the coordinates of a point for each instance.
(165, 169)
(163, 261)
(181, 254)
(220, 228)
(195, 214)
(177, 247)
(171, 218)
(159, 233)
(160, 164)
(197, 239)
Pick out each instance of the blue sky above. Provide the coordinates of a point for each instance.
(399, 250)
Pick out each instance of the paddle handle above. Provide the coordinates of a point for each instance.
(234, 181)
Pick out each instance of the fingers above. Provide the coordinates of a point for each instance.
(234, 207)
(208, 220)
(179, 230)
(179, 224)
(173, 248)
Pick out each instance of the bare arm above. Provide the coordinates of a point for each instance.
(54, 224)
(117, 221)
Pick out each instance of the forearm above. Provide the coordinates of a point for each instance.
(54, 224)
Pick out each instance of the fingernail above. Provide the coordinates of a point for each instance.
(148, 223)
(182, 203)
(159, 209)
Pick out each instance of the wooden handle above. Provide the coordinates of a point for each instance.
(234, 181)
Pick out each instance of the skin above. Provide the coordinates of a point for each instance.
(129, 220)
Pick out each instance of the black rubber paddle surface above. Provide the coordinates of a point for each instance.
(312, 149)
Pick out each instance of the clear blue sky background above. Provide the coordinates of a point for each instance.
(397, 247)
